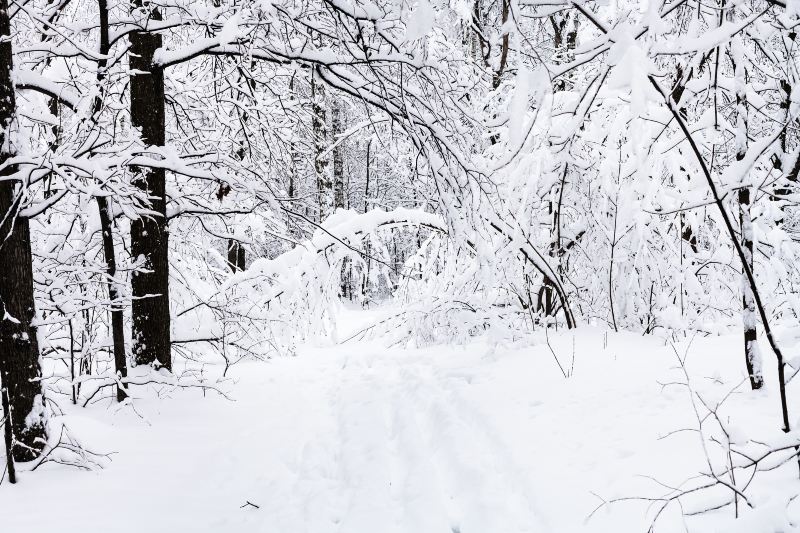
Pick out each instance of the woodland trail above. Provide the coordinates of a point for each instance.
(358, 438)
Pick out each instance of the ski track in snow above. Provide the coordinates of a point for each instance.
(358, 439)
(410, 456)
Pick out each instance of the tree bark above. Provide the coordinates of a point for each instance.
(117, 324)
(106, 225)
(20, 370)
(150, 232)
(365, 282)
(294, 176)
(236, 255)
(497, 75)
(236, 252)
(319, 129)
(8, 438)
(749, 318)
(337, 127)
(564, 40)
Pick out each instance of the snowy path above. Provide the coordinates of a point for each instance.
(361, 439)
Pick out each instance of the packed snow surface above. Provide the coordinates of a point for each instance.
(361, 438)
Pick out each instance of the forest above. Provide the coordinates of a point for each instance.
(463, 266)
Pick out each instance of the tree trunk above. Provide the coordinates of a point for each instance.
(20, 370)
(365, 282)
(117, 325)
(8, 437)
(497, 75)
(477, 44)
(337, 127)
(236, 252)
(106, 217)
(564, 42)
(791, 174)
(320, 131)
(150, 233)
(236, 255)
(749, 318)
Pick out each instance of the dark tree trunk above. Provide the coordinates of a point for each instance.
(319, 129)
(117, 326)
(749, 318)
(337, 127)
(294, 176)
(150, 233)
(233, 254)
(291, 225)
(235, 249)
(497, 76)
(365, 282)
(477, 44)
(791, 174)
(564, 42)
(104, 209)
(8, 437)
(236, 257)
(19, 349)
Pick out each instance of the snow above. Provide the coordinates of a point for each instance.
(421, 21)
(631, 69)
(230, 30)
(523, 147)
(359, 438)
(518, 107)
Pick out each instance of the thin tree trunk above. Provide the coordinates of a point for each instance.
(365, 283)
(150, 233)
(8, 437)
(106, 217)
(749, 318)
(236, 252)
(20, 370)
(236, 255)
(320, 132)
(751, 280)
(337, 128)
(477, 40)
(611, 263)
(791, 175)
(290, 224)
(564, 42)
(117, 325)
(497, 75)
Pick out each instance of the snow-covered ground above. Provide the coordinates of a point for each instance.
(360, 438)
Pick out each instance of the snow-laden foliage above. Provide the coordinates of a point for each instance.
(567, 148)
